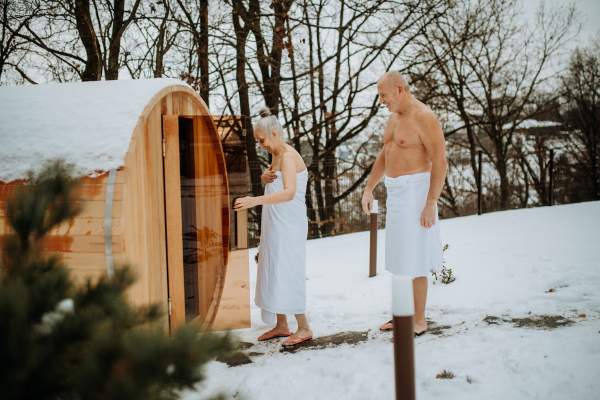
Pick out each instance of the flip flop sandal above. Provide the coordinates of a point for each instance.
(420, 334)
(387, 329)
(270, 335)
(291, 342)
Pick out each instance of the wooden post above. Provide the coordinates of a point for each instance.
(551, 183)
(373, 258)
(479, 185)
(403, 310)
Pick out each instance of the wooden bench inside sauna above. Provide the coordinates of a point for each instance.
(155, 191)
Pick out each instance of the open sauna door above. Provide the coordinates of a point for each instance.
(197, 212)
(234, 311)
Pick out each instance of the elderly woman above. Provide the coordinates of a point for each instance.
(281, 280)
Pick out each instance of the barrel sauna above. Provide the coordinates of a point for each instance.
(154, 191)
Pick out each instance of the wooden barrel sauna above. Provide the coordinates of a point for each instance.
(155, 192)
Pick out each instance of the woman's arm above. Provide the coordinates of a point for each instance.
(288, 170)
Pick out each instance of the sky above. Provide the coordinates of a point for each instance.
(590, 11)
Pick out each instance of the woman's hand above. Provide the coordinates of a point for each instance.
(245, 202)
(269, 175)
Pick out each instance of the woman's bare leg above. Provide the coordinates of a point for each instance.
(303, 328)
(282, 325)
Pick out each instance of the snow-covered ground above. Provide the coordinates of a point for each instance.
(504, 264)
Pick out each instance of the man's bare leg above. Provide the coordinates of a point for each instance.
(303, 328)
(420, 294)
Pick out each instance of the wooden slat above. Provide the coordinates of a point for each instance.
(82, 192)
(131, 236)
(158, 273)
(89, 209)
(76, 244)
(142, 216)
(173, 219)
(83, 261)
(76, 226)
(177, 102)
(101, 179)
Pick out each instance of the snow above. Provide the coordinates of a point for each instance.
(532, 123)
(503, 262)
(89, 124)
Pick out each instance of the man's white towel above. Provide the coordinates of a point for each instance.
(281, 278)
(410, 249)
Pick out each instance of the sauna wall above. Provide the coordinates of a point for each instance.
(81, 239)
(138, 215)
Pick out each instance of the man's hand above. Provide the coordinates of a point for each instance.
(269, 175)
(367, 202)
(428, 216)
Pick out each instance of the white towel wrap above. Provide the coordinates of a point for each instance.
(281, 276)
(410, 249)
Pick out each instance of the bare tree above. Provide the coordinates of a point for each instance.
(492, 62)
(340, 49)
(196, 20)
(582, 117)
(155, 35)
(16, 16)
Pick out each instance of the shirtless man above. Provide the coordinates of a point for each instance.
(413, 160)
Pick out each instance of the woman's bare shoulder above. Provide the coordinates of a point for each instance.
(293, 155)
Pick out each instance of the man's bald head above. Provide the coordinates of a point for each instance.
(394, 79)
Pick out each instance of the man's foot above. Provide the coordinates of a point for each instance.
(420, 328)
(388, 326)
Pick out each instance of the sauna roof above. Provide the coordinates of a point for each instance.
(89, 124)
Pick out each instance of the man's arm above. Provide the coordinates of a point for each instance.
(433, 139)
(376, 175)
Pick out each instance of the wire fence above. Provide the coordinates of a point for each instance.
(335, 190)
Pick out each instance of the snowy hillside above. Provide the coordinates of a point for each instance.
(506, 264)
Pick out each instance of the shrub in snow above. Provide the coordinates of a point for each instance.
(58, 342)
(446, 273)
(445, 375)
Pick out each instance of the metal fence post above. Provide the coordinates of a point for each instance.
(479, 185)
(551, 183)
(373, 252)
(403, 310)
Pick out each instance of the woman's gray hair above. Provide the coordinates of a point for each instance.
(268, 122)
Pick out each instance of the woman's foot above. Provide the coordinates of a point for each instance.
(300, 336)
(273, 333)
(302, 332)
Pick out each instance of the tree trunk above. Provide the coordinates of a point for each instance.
(114, 48)
(503, 172)
(329, 173)
(240, 47)
(85, 28)
(119, 26)
(203, 52)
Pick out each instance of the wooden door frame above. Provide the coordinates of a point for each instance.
(173, 224)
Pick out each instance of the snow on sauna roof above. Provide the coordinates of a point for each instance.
(89, 124)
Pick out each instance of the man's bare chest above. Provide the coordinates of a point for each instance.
(401, 132)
